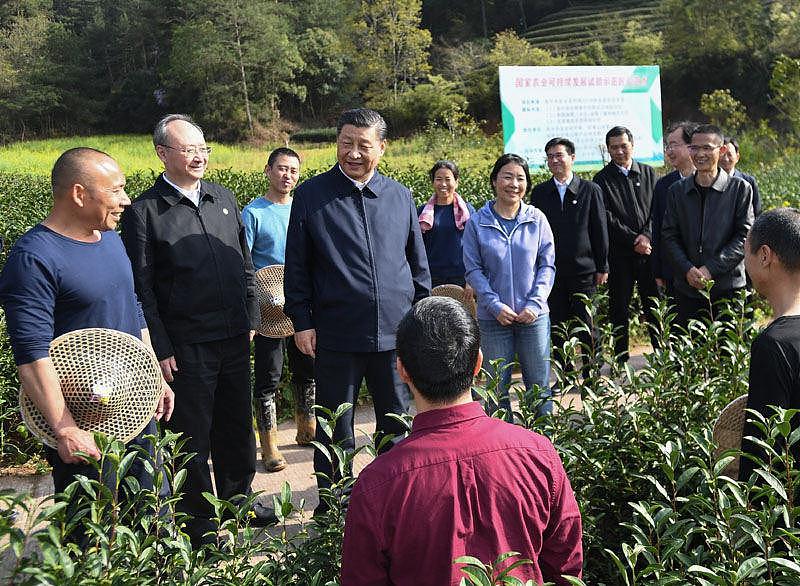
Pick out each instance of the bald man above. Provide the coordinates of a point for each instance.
(194, 276)
(60, 277)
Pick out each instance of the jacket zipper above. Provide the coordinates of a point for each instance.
(363, 210)
(214, 256)
(508, 245)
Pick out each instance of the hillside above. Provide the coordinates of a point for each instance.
(570, 30)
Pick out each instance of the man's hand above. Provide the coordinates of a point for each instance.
(469, 292)
(74, 439)
(641, 245)
(252, 335)
(695, 278)
(507, 316)
(168, 366)
(166, 404)
(306, 342)
(600, 279)
(706, 273)
(526, 316)
(661, 282)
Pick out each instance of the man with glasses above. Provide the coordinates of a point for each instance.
(194, 278)
(707, 219)
(676, 150)
(575, 211)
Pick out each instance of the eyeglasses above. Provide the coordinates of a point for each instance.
(705, 148)
(191, 151)
(556, 156)
(673, 146)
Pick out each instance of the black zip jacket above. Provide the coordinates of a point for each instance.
(627, 201)
(191, 266)
(355, 262)
(579, 226)
(710, 232)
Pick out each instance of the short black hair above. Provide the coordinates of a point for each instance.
(443, 165)
(732, 140)
(780, 230)
(505, 160)
(438, 343)
(565, 142)
(618, 131)
(70, 167)
(709, 129)
(685, 126)
(363, 118)
(281, 152)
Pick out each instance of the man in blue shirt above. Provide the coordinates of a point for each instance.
(266, 220)
(67, 273)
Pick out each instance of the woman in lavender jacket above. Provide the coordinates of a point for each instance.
(509, 258)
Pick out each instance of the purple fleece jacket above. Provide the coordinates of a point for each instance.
(515, 270)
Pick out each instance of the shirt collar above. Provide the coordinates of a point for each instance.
(192, 194)
(564, 183)
(447, 416)
(359, 185)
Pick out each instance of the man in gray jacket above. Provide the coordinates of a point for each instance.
(705, 225)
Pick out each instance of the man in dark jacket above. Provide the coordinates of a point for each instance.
(708, 216)
(728, 161)
(627, 194)
(194, 278)
(678, 137)
(355, 263)
(575, 211)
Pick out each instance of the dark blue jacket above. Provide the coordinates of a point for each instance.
(756, 195)
(578, 224)
(661, 268)
(355, 262)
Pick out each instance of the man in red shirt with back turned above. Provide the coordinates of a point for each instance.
(461, 483)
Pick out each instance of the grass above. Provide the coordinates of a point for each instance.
(135, 153)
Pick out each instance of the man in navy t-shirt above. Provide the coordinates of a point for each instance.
(67, 273)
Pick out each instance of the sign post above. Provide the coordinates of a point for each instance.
(581, 103)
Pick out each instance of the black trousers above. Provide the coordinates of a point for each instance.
(625, 272)
(698, 307)
(64, 474)
(213, 409)
(268, 366)
(338, 376)
(565, 305)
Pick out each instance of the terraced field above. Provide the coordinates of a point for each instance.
(570, 30)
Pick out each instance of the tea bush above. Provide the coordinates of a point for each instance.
(656, 505)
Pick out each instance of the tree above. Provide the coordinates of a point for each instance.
(389, 48)
(785, 97)
(237, 60)
(325, 69)
(724, 110)
(510, 49)
(28, 97)
(640, 47)
(593, 54)
(785, 23)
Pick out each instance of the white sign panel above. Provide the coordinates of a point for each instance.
(581, 104)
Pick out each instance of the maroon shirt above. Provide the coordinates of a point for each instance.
(460, 484)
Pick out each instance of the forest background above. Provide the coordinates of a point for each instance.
(267, 71)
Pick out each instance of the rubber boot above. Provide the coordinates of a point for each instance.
(266, 420)
(304, 412)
